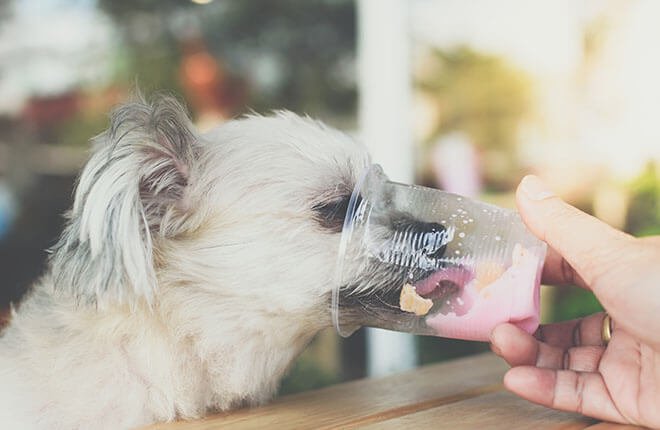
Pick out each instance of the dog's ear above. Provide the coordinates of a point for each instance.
(133, 192)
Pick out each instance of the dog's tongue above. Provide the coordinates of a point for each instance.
(471, 310)
(455, 275)
(447, 288)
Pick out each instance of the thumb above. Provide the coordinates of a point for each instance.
(589, 245)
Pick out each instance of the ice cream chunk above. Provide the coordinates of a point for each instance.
(410, 301)
(486, 273)
(513, 296)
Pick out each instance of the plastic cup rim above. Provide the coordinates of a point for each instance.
(346, 235)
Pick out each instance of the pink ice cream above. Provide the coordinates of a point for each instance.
(473, 309)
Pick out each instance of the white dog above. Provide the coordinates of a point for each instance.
(194, 268)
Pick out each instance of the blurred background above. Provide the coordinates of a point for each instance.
(463, 96)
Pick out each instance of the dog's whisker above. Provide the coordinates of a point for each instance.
(389, 305)
(223, 245)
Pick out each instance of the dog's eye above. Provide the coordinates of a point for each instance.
(330, 215)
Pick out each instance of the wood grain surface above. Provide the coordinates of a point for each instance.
(460, 394)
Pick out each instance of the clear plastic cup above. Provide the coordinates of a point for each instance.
(423, 261)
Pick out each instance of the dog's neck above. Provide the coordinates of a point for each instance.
(244, 351)
(173, 365)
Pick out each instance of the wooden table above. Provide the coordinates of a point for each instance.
(461, 394)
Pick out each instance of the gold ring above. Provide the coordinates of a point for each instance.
(606, 329)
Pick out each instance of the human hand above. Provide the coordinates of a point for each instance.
(566, 365)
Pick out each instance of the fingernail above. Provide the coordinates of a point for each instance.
(535, 189)
(493, 346)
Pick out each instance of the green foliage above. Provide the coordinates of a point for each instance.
(643, 217)
(152, 68)
(434, 349)
(78, 130)
(313, 42)
(479, 94)
(307, 374)
(122, 10)
(573, 303)
(149, 51)
(483, 96)
(309, 45)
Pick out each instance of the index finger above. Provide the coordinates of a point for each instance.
(588, 244)
(557, 271)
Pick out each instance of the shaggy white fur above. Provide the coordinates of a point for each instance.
(194, 268)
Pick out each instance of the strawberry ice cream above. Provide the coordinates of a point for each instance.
(469, 304)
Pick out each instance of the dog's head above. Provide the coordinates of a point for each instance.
(244, 221)
(248, 214)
